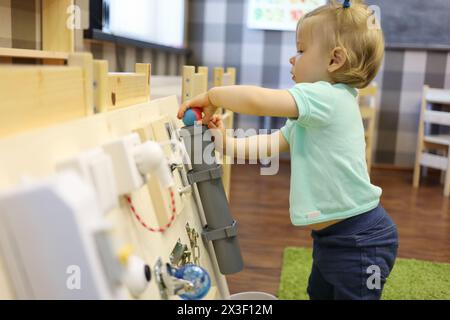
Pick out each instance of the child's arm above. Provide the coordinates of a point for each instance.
(255, 147)
(250, 100)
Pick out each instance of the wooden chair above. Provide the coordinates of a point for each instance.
(433, 149)
(367, 103)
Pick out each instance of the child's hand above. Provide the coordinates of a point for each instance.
(201, 101)
(216, 123)
(218, 132)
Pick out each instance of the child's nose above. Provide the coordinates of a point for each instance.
(292, 60)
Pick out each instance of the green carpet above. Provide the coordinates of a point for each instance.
(409, 280)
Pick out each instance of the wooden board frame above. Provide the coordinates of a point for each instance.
(39, 96)
(35, 155)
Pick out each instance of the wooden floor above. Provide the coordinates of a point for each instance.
(260, 205)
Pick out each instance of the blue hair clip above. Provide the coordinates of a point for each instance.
(346, 4)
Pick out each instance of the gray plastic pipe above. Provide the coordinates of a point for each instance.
(207, 174)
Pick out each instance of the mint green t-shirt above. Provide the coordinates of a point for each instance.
(329, 178)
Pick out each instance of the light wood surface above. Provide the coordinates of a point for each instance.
(38, 96)
(33, 54)
(115, 90)
(56, 36)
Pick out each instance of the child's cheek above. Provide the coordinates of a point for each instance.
(298, 64)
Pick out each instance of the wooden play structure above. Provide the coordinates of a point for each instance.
(60, 134)
(59, 106)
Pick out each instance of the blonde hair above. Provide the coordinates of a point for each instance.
(352, 29)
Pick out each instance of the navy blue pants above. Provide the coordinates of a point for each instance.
(353, 258)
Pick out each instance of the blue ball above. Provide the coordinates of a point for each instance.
(189, 118)
(199, 277)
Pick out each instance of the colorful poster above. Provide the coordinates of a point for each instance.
(278, 14)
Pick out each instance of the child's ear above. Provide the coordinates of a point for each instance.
(338, 58)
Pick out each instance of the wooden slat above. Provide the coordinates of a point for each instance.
(434, 95)
(437, 117)
(101, 85)
(126, 89)
(203, 70)
(420, 142)
(227, 79)
(367, 112)
(85, 62)
(34, 97)
(33, 54)
(433, 161)
(146, 69)
(118, 90)
(232, 72)
(200, 84)
(218, 77)
(187, 84)
(56, 36)
(370, 90)
(194, 83)
(442, 139)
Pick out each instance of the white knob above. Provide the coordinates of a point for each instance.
(138, 275)
(150, 159)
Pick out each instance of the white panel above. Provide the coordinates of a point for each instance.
(438, 96)
(47, 230)
(433, 161)
(437, 117)
(438, 138)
